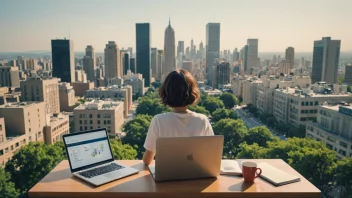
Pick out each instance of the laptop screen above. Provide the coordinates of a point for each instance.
(88, 148)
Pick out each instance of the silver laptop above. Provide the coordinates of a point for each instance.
(179, 158)
(90, 157)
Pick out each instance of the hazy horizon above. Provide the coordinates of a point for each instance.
(30, 25)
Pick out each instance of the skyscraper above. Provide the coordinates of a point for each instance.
(348, 74)
(244, 52)
(143, 51)
(91, 53)
(236, 55)
(126, 63)
(88, 67)
(221, 74)
(130, 50)
(290, 56)
(159, 64)
(181, 47)
(133, 65)
(252, 55)
(63, 60)
(326, 56)
(9, 76)
(212, 47)
(153, 60)
(201, 50)
(112, 62)
(169, 50)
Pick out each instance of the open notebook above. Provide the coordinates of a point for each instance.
(269, 172)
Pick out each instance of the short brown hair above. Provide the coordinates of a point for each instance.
(179, 89)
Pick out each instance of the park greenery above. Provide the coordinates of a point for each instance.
(309, 157)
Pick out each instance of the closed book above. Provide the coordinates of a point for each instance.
(275, 175)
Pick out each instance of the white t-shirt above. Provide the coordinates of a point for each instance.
(177, 125)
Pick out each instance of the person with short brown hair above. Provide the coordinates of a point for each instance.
(179, 90)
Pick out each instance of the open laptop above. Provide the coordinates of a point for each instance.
(179, 158)
(91, 159)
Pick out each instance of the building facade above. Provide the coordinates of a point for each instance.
(39, 89)
(67, 97)
(153, 61)
(221, 74)
(57, 126)
(348, 74)
(212, 47)
(290, 56)
(143, 52)
(333, 128)
(112, 61)
(9, 77)
(326, 55)
(100, 114)
(169, 51)
(63, 60)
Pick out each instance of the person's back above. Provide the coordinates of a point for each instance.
(178, 91)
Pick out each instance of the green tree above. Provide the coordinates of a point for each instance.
(31, 163)
(156, 84)
(252, 151)
(223, 113)
(7, 187)
(259, 135)
(297, 132)
(252, 109)
(234, 132)
(122, 151)
(211, 103)
(136, 132)
(229, 100)
(340, 79)
(149, 106)
(198, 109)
(349, 89)
(343, 176)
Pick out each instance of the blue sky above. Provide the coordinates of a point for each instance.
(31, 24)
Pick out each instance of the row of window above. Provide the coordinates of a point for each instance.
(85, 128)
(314, 119)
(12, 147)
(311, 103)
(91, 121)
(309, 111)
(91, 115)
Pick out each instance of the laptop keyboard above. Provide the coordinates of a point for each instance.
(100, 170)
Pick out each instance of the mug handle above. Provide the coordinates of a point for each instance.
(258, 174)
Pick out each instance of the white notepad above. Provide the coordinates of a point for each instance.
(275, 175)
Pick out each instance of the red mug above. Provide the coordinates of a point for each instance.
(249, 171)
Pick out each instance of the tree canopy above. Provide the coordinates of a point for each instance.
(122, 151)
(136, 132)
(229, 100)
(31, 163)
(151, 106)
(212, 103)
(259, 135)
(344, 175)
(198, 109)
(223, 113)
(7, 187)
(234, 132)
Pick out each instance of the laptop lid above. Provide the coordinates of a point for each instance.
(87, 149)
(188, 157)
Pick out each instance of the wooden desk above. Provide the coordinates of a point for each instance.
(60, 183)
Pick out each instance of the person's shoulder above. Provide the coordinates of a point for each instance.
(161, 116)
(199, 116)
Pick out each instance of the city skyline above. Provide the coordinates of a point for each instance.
(113, 22)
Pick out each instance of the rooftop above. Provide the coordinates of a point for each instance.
(57, 118)
(110, 88)
(19, 104)
(99, 105)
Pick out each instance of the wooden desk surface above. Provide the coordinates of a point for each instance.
(60, 183)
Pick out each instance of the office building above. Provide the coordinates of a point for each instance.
(80, 88)
(126, 63)
(290, 56)
(39, 89)
(252, 55)
(57, 126)
(188, 65)
(236, 55)
(91, 53)
(9, 77)
(201, 50)
(130, 50)
(112, 61)
(221, 74)
(100, 114)
(348, 74)
(244, 58)
(88, 67)
(31, 64)
(80, 76)
(181, 47)
(326, 56)
(115, 92)
(63, 60)
(133, 65)
(153, 61)
(143, 52)
(67, 97)
(169, 51)
(136, 81)
(212, 47)
(333, 128)
(159, 64)
(98, 73)
(284, 68)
